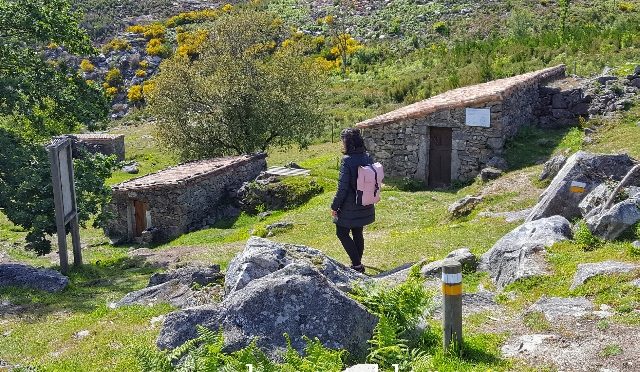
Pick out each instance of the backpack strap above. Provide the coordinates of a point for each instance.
(375, 192)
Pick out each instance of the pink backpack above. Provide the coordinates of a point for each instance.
(369, 184)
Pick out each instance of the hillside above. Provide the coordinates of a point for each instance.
(404, 51)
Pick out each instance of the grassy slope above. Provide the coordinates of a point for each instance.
(410, 226)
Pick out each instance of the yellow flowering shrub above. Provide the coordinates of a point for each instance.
(137, 29)
(227, 8)
(148, 87)
(90, 82)
(113, 77)
(155, 31)
(135, 94)
(111, 91)
(105, 86)
(115, 45)
(141, 73)
(325, 64)
(155, 47)
(144, 64)
(190, 42)
(87, 66)
(192, 17)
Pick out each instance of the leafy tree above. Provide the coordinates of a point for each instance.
(41, 97)
(241, 93)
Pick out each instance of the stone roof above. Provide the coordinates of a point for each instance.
(97, 136)
(184, 173)
(469, 96)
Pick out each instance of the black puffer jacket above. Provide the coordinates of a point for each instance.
(350, 214)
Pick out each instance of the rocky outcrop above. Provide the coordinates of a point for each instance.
(297, 300)
(595, 199)
(552, 167)
(178, 288)
(589, 270)
(520, 253)
(262, 257)
(25, 276)
(610, 224)
(584, 167)
(467, 259)
(555, 308)
(464, 206)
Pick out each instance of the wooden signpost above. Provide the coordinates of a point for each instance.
(64, 197)
(452, 305)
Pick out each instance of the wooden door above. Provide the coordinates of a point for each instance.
(140, 213)
(439, 157)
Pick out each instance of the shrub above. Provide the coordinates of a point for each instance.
(190, 42)
(115, 45)
(441, 28)
(626, 6)
(87, 66)
(148, 87)
(155, 31)
(135, 94)
(583, 237)
(111, 92)
(141, 73)
(144, 64)
(227, 8)
(195, 16)
(113, 77)
(136, 29)
(155, 47)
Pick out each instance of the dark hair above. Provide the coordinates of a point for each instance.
(352, 140)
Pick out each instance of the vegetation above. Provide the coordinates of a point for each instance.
(243, 94)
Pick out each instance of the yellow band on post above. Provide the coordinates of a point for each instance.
(452, 290)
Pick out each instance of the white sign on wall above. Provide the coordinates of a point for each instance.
(478, 117)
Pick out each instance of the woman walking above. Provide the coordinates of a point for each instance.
(349, 217)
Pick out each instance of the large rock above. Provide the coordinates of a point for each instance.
(594, 200)
(612, 223)
(464, 206)
(19, 275)
(297, 300)
(262, 257)
(176, 287)
(592, 169)
(467, 259)
(589, 270)
(555, 308)
(202, 275)
(552, 167)
(520, 253)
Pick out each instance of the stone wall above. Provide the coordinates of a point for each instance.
(107, 144)
(400, 140)
(562, 102)
(179, 205)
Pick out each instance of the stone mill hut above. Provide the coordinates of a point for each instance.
(163, 205)
(452, 136)
(107, 144)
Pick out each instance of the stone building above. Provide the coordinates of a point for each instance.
(163, 205)
(452, 136)
(107, 144)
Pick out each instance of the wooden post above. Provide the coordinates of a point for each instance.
(452, 305)
(57, 200)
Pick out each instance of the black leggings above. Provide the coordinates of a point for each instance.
(354, 246)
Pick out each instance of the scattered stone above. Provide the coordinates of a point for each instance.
(282, 225)
(636, 282)
(525, 344)
(612, 223)
(157, 320)
(589, 270)
(172, 292)
(490, 173)
(188, 275)
(636, 244)
(555, 308)
(293, 165)
(464, 206)
(297, 300)
(552, 167)
(591, 169)
(605, 79)
(463, 255)
(262, 257)
(81, 334)
(131, 168)
(520, 253)
(19, 275)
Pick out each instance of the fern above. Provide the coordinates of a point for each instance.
(153, 360)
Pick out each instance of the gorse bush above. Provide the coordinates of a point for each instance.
(134, 95)
(155, 47)
(113, 77)
(116, 44)
(87, 66)
(204, 353)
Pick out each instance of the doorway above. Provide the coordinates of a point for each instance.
(440, 157)
(140, 217)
